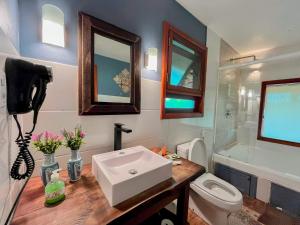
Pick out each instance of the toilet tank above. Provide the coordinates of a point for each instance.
(198, 154)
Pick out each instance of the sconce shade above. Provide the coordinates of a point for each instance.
(151, 59)
(53, 25)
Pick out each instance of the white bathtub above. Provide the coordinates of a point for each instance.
(277, 167)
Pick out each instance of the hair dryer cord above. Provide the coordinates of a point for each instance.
(23, 155)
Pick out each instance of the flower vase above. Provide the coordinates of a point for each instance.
(75, 165)
(48, 166)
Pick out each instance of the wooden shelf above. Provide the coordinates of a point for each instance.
(157, 218)
(86, 204)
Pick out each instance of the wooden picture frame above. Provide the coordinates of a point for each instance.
(95, 81)
(88, 25)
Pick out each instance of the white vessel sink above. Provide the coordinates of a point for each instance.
(125, 173)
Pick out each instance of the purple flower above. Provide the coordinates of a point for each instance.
(46, 135)
(49, 135)
(54, 137)
(47, 142)
(82, 135)
(35, 137)
(60, 138)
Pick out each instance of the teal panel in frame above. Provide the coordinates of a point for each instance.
(177, 103)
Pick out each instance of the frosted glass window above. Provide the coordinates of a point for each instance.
(53, 24)
(281, 115)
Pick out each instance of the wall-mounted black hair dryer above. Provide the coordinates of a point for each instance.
(23, 79)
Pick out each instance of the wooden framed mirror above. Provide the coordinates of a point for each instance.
(183, 75)
(109, 68)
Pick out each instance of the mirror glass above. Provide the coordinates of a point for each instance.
(185, 67)
(112, 75)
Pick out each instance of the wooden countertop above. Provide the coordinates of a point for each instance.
(85, 202)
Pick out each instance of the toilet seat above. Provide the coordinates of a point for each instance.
(218, 192)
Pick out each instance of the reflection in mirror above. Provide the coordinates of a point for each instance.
(185, 66)
(112, 74)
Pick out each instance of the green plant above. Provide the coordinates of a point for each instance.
(74, 140)
(47, 142)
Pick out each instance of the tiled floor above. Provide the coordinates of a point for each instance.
(268, 214)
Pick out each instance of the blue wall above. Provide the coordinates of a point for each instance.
(142, 17)
(108, 68)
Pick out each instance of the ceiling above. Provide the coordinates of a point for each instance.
(250, 25)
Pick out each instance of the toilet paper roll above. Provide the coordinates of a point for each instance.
(166, 222)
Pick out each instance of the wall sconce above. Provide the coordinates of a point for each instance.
(242, 91)
(151, 59)
(250, 94)
(53, 25)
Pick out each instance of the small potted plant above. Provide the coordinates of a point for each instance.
(47, 142)
(74, 140)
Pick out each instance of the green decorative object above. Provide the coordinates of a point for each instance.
(55, 189)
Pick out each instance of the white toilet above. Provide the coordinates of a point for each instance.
(212, 198)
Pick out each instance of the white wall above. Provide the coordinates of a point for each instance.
(9, 188)
(60, 110)
(9, 44)
(9, 26)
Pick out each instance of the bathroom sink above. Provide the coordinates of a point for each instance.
(125, 173)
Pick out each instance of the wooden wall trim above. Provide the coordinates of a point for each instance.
(96, 82)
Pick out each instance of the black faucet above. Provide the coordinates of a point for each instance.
(118, 135)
